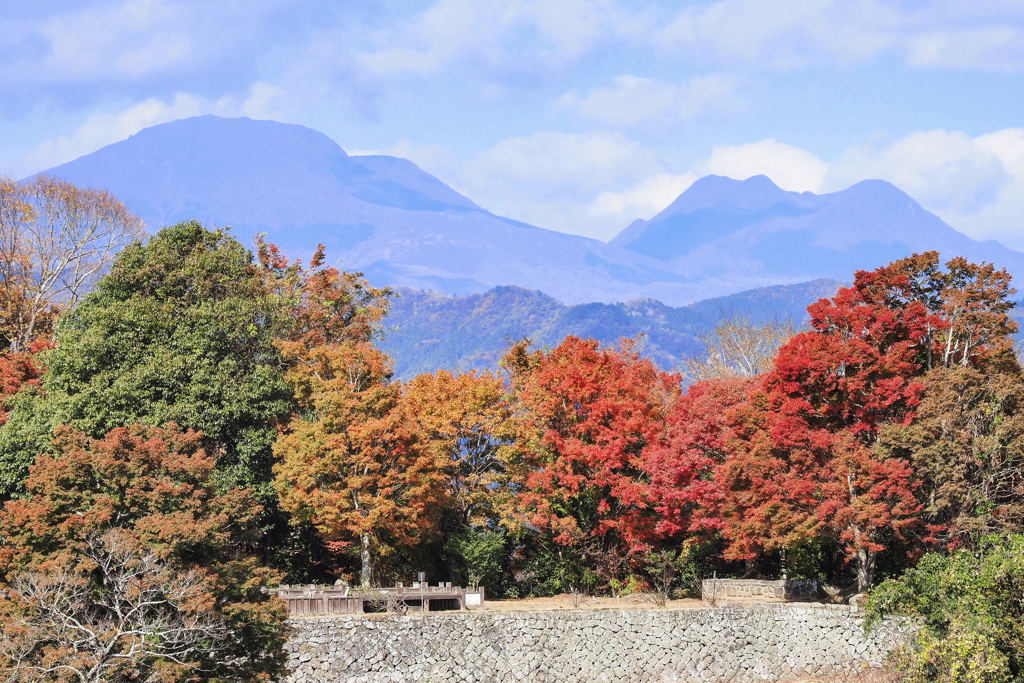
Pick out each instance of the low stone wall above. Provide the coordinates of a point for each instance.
(727, 644)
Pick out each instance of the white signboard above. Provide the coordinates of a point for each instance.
(472, 599)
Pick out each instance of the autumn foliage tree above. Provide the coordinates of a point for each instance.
(20, 370)
(461, 420)
(966, 444)
(347, 461)
(148, 496)
(55, 239)
(585, 416)
(697, 440)
(350, 464)
(806, 460)
(969, 304)
(116, 611)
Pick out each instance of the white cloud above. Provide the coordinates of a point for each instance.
(987, 36)
(131, 40)
(782, 35)
(551, 179)
(942, 169)
(791, 168)
(105, 127)
(631, 100)
(90, 41)
(497, 36)
(587, 161)
(644, 200)
(976, 183)
(985, 49)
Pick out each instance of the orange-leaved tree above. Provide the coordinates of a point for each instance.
(350, 464)
(347, 460)
(141, 500)
(461, 420)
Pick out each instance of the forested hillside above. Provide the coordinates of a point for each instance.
(425, 331)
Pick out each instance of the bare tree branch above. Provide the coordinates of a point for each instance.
(114, 614)
(55, 239)
(739, 348)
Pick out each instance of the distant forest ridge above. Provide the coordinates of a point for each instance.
(427, 330)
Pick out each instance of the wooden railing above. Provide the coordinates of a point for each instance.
(311, 599)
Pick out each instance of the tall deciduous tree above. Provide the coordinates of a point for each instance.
(55, 239)
(697, 441)
(804, 464)
(739, 348)
(586, 416)
(348, 461)
(969, 304)
(116, 611)
(809, 460)
(461, 420)
(350, 464)
(966, 444)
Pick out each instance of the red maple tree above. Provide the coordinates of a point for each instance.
(585, 417)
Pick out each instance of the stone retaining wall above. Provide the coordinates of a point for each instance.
(781, 589)
(727, 644)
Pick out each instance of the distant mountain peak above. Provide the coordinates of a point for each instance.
(715, 190)
(259, 176)
(876, 191)
(404, 227)
(238, 133)
(721, 227)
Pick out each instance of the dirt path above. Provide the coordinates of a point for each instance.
(570, 602)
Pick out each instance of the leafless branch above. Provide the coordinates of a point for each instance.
(111, 615)
(55, 239)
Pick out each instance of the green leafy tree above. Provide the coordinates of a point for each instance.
(479, 555)
(181, 330)
(971, 614)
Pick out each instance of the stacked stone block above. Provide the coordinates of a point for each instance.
(723, 645)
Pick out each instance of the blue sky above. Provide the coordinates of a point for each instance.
(576, 115)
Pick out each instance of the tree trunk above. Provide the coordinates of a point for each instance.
(865, 569)
(366, 561)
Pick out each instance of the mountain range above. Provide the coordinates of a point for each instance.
(471, 280)
(404, 227)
